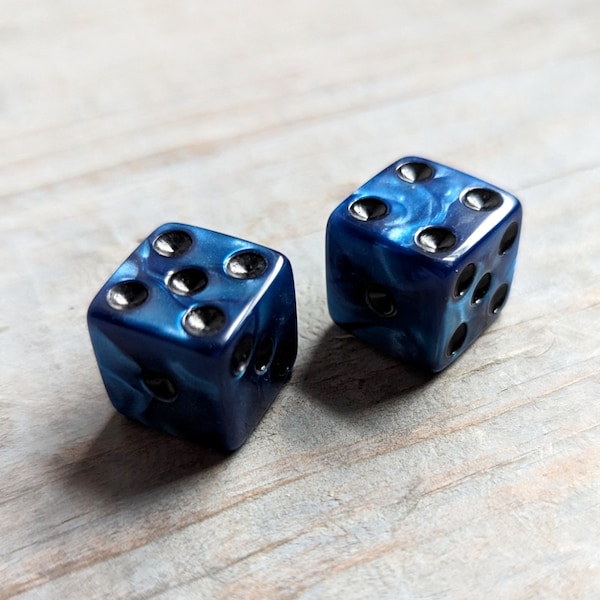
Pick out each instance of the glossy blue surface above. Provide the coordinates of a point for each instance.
(393, 294)
(213, 388)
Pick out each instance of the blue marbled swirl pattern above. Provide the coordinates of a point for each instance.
(213, 405)
(421, 284)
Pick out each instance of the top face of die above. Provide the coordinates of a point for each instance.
(426, 209)
(190, 285)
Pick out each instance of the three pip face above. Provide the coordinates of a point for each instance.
(196, 332)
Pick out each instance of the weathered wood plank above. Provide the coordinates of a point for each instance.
(366, 478)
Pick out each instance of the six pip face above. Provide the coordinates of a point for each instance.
(195, 333)
(420, 260)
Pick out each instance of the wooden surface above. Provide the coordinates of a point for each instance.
(365, 479)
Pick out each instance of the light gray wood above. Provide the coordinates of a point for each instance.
(365, 479)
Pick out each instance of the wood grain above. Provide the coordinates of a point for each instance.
(366, 479)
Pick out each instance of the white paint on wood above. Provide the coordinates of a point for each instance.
(365, 479)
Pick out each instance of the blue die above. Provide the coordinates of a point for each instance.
(195, 333)
(420, 260)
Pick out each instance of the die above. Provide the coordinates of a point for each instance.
(195, 333)
(420, 260)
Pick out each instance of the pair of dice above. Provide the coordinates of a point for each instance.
(196, 332)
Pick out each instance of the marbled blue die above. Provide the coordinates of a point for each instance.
(195, 333)
(420, 260)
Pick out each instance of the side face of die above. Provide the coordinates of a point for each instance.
(195, 333)
(420, 260)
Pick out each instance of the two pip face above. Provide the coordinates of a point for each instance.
(196, 332)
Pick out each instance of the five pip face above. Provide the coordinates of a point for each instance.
(196, 332)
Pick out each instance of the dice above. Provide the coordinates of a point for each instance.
(195, 333)
(420, 260)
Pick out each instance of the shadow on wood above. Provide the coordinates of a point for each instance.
(127, 459)
(348, 376)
